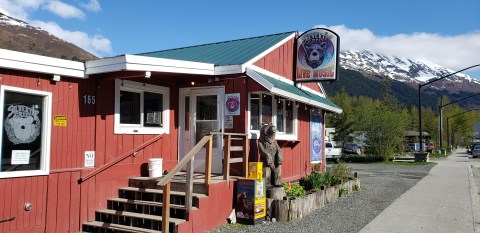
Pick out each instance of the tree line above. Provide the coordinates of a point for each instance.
(384, 122)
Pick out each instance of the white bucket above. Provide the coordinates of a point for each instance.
(155, 168)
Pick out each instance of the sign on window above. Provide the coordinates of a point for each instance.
(22, 130)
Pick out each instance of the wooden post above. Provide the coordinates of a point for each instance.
(208, 161)
(246, 150)
(226, 159)
(166, 208)
(189, 185)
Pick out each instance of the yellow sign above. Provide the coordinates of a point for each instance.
(60, 120)
(260, 208)
(255, 170)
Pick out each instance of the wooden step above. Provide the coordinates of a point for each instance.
(149, 203)
(177, 184)
(131, 219)
(236, 160)
(156, 195)
(89, 226)
(237, 138)
(236, 148)
(176, 221)
(159, 191)
(147, 207)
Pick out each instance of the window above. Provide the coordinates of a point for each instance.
(285, 117)
(25, 119)
(282, 113)
(140, 108)
(260, 110)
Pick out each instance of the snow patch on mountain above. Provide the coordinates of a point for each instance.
(405, 70)
(5, 19)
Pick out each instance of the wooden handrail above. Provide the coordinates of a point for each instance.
(122, 157)
(184, 161)
(188, 161)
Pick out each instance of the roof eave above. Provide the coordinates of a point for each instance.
(271, 88)
(143, 63)
(41, 64)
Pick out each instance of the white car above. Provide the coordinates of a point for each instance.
(332, 152)
(476, 151)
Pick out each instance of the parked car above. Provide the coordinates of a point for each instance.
(352, 148)
(332, 152)
(476, 150)
(470, 149)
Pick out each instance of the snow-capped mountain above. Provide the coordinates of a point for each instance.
(7, 20)
(19, 36)
(408, 71)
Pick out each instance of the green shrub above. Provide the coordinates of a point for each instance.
(343, 192)
(295, 191)
(341, 171)
(331, 180)
(313, 181)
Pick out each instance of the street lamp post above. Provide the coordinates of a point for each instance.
(420, 100)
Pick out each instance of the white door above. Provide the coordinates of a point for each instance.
(201, 112)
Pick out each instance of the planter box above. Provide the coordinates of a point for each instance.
(290, 210)
(421, 157)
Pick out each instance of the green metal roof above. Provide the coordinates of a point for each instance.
(297, 91)
(233, 52)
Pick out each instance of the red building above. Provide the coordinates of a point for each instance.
(74, 133)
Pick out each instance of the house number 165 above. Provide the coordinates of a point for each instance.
(89, 99)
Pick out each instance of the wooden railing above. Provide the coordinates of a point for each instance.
(188, 160)
(120, 158)
(244, 148)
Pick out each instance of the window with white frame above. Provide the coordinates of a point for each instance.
(25, 119)
(141, 108)
(264, 109)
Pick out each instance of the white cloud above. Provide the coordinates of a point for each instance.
(91, 5)
(95, 44)
(19, 8)
(64, 10)
(453, 52)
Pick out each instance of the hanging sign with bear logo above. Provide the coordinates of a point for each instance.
(317, 56)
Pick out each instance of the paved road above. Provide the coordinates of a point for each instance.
(446, 200)
(382, 185)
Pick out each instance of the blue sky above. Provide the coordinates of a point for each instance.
(443, 32)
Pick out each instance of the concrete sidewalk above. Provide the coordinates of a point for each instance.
(446, 200)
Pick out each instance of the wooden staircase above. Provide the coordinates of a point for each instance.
(138, 207)
(148, 204)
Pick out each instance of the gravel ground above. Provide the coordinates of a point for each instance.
(381, 185)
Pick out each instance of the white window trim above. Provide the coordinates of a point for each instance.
(255, 134)
(138, 128)
(46, 132)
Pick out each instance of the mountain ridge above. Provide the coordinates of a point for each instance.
(361, 73)
(19, 36)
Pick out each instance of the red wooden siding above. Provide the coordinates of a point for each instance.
(61, 212)
(279, 61)
(314, 86)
